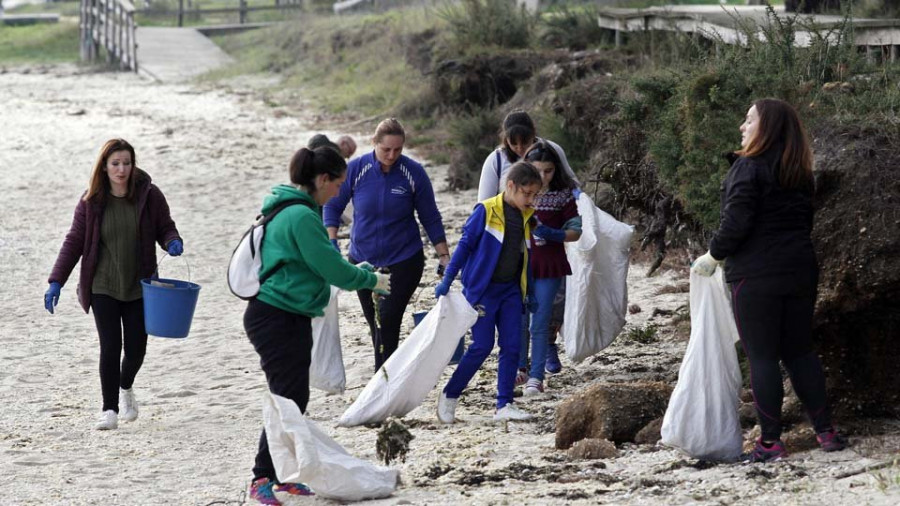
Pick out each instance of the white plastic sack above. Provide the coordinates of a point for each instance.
(414, 369)
(702, 417)
(301, 452)
(326, 370)
(596, 292)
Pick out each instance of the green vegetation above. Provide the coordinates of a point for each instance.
(41, 43)
(476, 24)
(690, 107)
(352, 63)
(642, 335)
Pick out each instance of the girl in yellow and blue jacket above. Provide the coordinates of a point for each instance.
(493, 257)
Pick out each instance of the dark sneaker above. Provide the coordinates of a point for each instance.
(766, 453)
(261, 491)
(831, 441)
(553, 364)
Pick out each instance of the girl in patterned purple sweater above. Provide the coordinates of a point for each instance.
(558, 223)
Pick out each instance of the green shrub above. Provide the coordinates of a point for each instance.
(692, 105)
(483, 23)
(473, 137)
(574, 28)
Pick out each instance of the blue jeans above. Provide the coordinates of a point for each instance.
(544, 292)
(502, 305)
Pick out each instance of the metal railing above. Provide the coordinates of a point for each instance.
(109, 24)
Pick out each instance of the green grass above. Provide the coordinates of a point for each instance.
(342, 64)
(41, 43)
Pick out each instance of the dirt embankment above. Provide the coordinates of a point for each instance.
(858, 246)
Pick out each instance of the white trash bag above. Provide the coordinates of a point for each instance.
(702, 416)
(405, 379)
(301, 452)
(596, 292)
(326, 369)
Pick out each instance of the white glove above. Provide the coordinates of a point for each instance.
(705, 265)
(383, 285)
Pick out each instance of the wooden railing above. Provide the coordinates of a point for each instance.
(241, 10)
(109, 24)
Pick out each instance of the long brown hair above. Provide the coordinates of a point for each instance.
(98, 186)
(780, 124)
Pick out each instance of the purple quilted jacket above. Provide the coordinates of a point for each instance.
(155, 225)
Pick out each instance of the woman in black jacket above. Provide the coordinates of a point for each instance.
(764, 237)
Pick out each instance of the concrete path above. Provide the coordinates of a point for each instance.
(172, 55)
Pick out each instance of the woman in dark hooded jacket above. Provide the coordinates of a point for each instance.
(770, 265)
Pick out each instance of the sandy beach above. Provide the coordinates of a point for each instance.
(215, 152)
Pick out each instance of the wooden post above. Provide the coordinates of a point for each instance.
(894, 50)
(180, 12)
(243, 13)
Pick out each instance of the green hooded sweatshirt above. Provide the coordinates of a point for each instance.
(296, 241)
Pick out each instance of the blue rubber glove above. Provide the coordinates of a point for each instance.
(576, 193)
(175, 247)
(550, 234)
(51, 297)
(443, 288)
(336, 245)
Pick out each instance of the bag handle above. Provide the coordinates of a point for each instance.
(156, 271)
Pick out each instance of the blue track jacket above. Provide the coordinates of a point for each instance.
(384, 229)
(479, 249)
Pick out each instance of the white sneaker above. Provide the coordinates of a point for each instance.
(511, 412)
(446, 409)
(533, 387)
(128, 405)
(108, 420)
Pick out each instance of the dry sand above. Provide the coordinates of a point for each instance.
(215, 153)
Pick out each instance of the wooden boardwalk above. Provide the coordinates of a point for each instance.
(723, 23)
(172, 55)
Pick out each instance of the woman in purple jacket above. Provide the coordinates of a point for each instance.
(117, 221)
(388, 190)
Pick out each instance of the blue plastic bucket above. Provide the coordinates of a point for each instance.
(169, 306)
(460, 348)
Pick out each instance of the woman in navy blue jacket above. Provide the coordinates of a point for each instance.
(764, 238)
(388, 189)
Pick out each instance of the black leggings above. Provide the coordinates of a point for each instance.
(774, 320)
(284, 342)
(405, 277)
(111, 316)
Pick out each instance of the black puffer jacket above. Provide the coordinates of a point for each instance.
(764, 228)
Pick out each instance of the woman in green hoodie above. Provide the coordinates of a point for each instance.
(299, 265)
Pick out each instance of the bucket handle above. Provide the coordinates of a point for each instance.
(156, 271)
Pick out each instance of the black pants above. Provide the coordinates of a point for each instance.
(283, 341)
(774, 320)
(112, 316)
(405, 277)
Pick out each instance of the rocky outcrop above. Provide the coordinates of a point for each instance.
(613, 411)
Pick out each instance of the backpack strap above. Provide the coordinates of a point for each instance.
(266, 218)
(498, 166)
